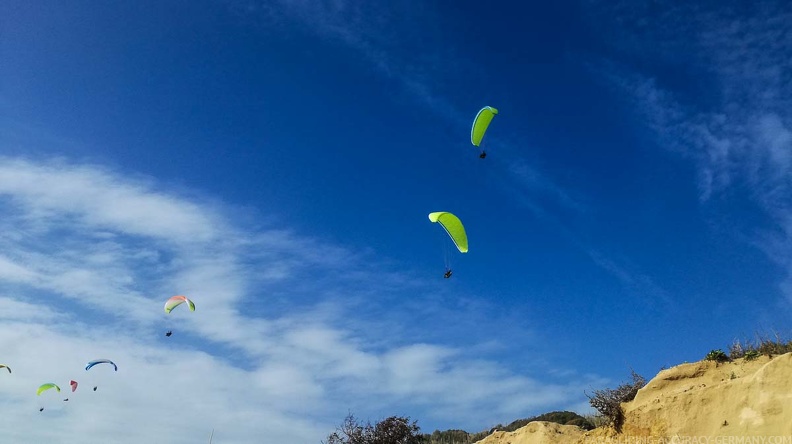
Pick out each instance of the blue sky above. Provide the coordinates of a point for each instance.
(276, 162)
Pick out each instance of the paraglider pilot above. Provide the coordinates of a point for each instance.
(169, 333)
(447, 274)
(483, 155)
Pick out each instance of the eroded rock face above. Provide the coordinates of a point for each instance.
(739, 398)
(702, 399)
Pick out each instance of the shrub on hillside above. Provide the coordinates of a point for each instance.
(562, 417)
(597, 420)
(448, 437)
(773, 347)
(392, 430)
(718, 356)
(463, 437)
(762, 345)
(583, 423)
(608, 401)
(737, 350)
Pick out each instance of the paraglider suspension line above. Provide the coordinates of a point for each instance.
(447, 254)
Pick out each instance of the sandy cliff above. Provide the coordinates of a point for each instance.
(688, 403)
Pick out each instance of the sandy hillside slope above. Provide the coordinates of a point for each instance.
(702, 399)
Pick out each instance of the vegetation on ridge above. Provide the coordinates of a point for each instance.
(607, 402)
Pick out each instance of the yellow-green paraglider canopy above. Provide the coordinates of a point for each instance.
(44, 387)
(481, 123)
(453, 227)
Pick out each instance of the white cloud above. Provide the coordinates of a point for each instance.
(14, 272)
(94, 198)
(14, 310)
(87, 264)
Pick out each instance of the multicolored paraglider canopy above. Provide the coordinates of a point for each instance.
(175, 301)
(73, 385)
(453, 227)
(481, 123)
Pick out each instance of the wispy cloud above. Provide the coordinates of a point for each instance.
(90, 255)
(90, 198)
(735, 124)
(403, 40)
(541, 193)
(637, 283)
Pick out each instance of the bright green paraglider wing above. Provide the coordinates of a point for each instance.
(45, 387)
(453, 227)
(481, 123)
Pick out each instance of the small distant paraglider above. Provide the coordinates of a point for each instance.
(73, 385)
(480, 125)
(43, 388)
(6, 367)
(92, 364)
(455, 230)
(174, 302)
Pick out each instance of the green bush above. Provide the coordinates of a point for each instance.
(717, 356)
(583, 423)
(448, 437)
